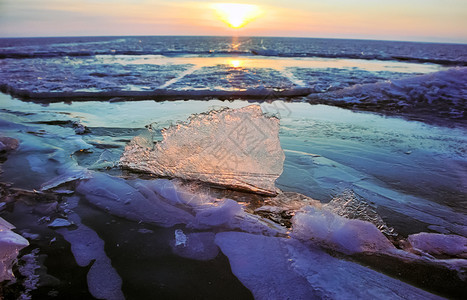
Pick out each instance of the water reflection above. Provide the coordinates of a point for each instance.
(235, 63)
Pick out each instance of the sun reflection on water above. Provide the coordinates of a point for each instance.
(235, 63)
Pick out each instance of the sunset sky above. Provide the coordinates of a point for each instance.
(417, 20)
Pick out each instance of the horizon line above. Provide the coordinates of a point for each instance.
(433, 41)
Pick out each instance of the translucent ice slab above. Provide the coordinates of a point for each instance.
(237, 148)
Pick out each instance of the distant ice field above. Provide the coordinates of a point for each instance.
(418, 80)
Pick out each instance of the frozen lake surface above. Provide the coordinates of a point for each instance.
(366, 140)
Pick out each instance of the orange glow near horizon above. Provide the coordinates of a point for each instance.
(236, 15)
(434, 21)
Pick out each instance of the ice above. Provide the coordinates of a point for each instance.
(88, 249)
(436, 244)
(338, 233)
(225, 77)
(197, 245)
(323, 80)
(279, 268)
(180, 238)
(28, 270)
(237, 148)
(220, 214)
(120, 199)
(66, 177)
(8, 144)
(45, 76)
(441, 94)
(59, 222)
(350, 205)
(167, 203)
(10, 245)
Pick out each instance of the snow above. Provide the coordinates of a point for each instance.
(237, 148)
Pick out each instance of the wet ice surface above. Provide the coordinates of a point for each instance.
(114, 75)
(87, 74)
(411, 173)
(260, 262)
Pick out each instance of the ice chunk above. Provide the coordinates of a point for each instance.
(88, 248)
(352, 206)
(198, 245)
(237, 148)
(119, 198)
(59, 222)
(279, 268)
(219, 214)
(8, 144)
(339, 233)
(28, 269)
(439, 244)
(66, 177)
(10, 245)
(180, 238)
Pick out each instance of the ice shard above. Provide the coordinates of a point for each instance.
(236, 148)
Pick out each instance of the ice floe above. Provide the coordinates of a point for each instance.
(278, 268)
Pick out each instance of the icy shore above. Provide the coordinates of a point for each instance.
(172, 227)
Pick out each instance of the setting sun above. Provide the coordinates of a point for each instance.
(236, 15)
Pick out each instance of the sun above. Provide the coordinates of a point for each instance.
(236, 15)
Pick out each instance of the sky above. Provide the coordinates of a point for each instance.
(407, 20)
